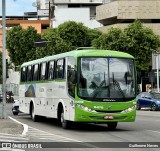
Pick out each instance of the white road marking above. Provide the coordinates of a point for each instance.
(12, 138)
(36, 133)
(46, 135)
(25, 130)
(153, 131)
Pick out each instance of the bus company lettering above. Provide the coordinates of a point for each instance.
(41, 89)
(50, 90)
(98, 107)
(61, 86)
(81, 102)
(109, 100)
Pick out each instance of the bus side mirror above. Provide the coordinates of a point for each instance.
(138, 77)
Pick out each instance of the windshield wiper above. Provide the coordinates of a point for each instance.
(96, 91)
(115, 82)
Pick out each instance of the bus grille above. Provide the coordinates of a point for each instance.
(118, 111)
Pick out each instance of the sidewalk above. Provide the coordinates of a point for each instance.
(9, 126)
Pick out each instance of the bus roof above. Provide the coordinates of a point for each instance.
(79, 52)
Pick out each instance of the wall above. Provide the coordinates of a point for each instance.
(14, 77)
(74, 14)
(155, 27)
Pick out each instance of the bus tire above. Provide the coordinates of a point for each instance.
(64, 123)
(34, 117)
(112, 125)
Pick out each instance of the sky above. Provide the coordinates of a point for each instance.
(18, 7)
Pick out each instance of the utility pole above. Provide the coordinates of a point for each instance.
(157, 66)
(4, 116)
(49, 10)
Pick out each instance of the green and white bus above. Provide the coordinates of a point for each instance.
(85, 85)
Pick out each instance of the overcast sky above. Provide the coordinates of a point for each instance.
(18, 7)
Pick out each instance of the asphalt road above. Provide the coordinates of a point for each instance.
(146, 128)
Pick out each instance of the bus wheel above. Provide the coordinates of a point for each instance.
(65, 124)
(112, 125)
(33, 116)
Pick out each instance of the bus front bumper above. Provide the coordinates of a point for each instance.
(92, 117)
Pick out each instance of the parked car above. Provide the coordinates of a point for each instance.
(148, 100)
(15, 107)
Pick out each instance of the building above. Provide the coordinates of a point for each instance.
(71, 10)
(39, 25)
(118, 13)
(11, 21)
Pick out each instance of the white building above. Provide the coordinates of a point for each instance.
(71, 10)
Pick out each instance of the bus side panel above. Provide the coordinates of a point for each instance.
(23, 102)
(51, 94)
(46, 99)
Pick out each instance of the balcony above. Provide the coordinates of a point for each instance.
(114, 10)
(78, 1)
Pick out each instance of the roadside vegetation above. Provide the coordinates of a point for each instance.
(135, 39)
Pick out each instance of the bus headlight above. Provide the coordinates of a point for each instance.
(129, 109)
(85, 108)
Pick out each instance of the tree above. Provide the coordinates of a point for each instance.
(140, 43)
(74, 33)
(136, 40)
(20, 44)
(91, 35)
(112, 40)
(56, 44)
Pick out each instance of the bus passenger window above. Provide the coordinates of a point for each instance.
(51, 70)
(43, 71)
(23, 74)
(60, 69)
(29, 73)
(35, 72)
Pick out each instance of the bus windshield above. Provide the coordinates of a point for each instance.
(105, 78)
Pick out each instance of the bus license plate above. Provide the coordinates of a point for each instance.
(109, 117)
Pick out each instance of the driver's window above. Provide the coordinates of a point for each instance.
(71, 76)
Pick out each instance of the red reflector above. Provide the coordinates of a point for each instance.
(109, 117)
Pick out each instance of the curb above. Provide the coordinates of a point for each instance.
(25, 126)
